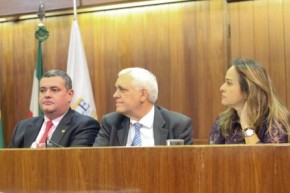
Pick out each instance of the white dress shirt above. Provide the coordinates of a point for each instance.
(147, 135)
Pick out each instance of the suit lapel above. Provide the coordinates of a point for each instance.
(32, 131)
(122, 133)
(160, 132)
(62, 127)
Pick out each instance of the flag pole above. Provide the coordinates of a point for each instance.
(75, 10)
(77, 68)
(41, 34)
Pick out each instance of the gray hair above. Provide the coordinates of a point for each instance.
(62, 74)
(143, 79)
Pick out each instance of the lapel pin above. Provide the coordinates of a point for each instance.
(63, 131)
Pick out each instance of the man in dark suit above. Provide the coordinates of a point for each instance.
(137, 120)
(60, 126)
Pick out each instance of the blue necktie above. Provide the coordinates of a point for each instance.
(137, 138)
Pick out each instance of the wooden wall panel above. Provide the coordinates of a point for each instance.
(217, 56)
(234, 31)
(286, 14)
(183, 44)
(246, 24)
(277, 46)
(201, 69)
(260, 30)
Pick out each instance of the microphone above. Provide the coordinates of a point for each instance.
(49, 143)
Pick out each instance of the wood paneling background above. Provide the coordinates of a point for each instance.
(261, 30)
(186, 45)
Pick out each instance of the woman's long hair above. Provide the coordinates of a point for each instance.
(264, 106)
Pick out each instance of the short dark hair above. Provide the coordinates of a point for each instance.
(62, 74)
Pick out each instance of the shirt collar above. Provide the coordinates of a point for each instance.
(147, 120)
(55, 121)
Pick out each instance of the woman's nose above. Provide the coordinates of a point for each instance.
(222, 87)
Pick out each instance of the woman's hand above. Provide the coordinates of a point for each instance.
(246, 123)
(244, 117)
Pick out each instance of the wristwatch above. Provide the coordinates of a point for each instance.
(248, 132)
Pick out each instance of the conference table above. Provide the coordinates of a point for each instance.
(162, 169)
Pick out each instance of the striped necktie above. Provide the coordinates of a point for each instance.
(137, 138)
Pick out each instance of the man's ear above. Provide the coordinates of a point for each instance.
(144, 95)
(71, 94)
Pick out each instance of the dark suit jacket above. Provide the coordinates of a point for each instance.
(167, 125)
(73, 130)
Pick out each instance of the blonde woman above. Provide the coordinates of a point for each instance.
(255, 114)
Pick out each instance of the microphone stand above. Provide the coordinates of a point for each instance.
(49, 143)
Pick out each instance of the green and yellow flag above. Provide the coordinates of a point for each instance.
(1, 133)
(41, 35)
